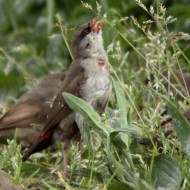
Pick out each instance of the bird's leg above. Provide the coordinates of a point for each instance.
(65, 154)
(63, 161)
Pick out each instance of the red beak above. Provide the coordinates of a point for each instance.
(95, 25)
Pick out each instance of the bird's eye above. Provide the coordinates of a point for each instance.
(85, 32)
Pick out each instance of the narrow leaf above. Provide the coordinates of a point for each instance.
(166, 172)
(38, 170)
(133, 131)
(181, 126)
(118, 185)
(121, 102)
(85, 109)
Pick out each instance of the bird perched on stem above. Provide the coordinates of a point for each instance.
(88, 77)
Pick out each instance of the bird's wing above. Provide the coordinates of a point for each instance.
(60, 110)
(33, 106)
(20, 115)
(72, 84)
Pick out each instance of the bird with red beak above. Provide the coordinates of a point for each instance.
(88, 77)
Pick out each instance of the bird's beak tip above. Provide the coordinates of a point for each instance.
(96, 25)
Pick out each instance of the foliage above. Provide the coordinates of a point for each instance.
(142, 40)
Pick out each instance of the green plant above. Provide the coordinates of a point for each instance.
(139, 46)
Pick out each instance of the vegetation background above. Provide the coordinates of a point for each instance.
(143, 39)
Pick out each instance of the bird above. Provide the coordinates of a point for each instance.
(30, 111)
(88, 77)
(178, 80)
(6, 184)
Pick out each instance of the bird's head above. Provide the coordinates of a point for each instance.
(87, 40)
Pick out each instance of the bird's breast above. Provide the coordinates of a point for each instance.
(97, 86)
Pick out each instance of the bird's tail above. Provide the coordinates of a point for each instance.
(44, 140)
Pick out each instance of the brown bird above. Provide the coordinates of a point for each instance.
(30, 112)
(88, 77)
(6, 184)
(181, 81)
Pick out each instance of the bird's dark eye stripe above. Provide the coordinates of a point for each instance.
(85, 32)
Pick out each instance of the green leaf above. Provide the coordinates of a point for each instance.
(166, 172)
(35, 170)
(118, 185)
(85, 109)
(121, 102)
(181, 126)
(123, 105)
(88, 173)
(133, 131)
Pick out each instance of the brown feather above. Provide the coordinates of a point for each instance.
(33, 106)
(85, 78)
(60, 109)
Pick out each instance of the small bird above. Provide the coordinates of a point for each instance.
(88, 77)
(181, 81)
(30, 112)
(6, 184)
